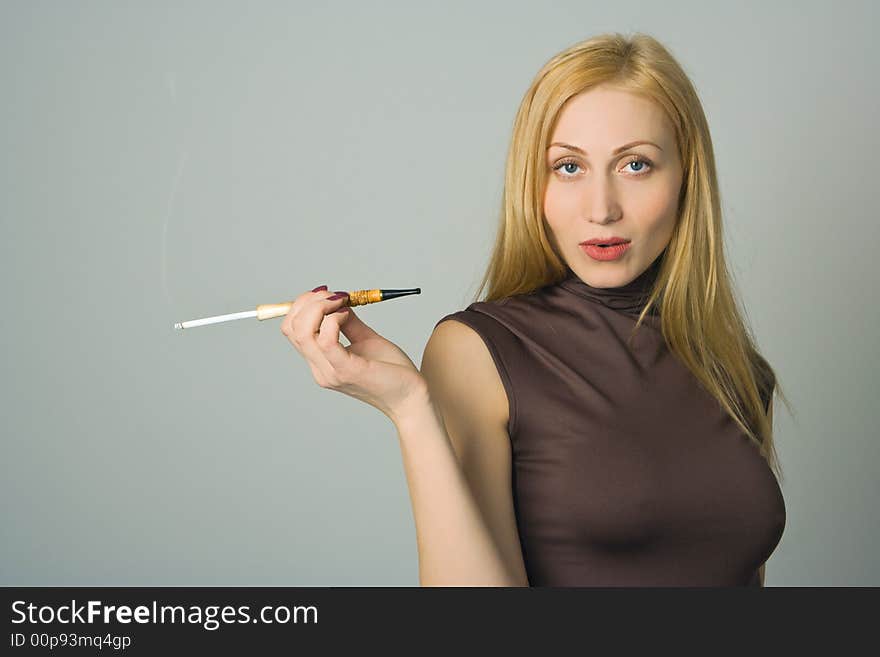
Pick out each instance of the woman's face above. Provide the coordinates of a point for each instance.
(601, 193)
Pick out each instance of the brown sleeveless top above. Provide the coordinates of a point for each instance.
(626, 472)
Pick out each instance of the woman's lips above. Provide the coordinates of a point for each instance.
(604, 253)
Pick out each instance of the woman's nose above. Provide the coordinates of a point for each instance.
(601, 204)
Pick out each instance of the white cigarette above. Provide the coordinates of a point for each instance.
(214, 320)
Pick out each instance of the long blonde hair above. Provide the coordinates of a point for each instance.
(702, 322)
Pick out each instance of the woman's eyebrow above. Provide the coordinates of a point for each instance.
(615, 151)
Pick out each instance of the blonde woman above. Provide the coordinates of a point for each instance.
(602, 417)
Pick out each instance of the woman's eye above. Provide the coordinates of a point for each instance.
(640, 161)
(560, 165)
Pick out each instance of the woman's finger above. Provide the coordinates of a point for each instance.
(291, 330)
(340, 359)
(288, 319)
(355, 329)
(314, 316)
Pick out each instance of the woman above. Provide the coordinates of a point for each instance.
(602, 417)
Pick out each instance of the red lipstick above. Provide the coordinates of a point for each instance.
(606, 240)
(605, 248)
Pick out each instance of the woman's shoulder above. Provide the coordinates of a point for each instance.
(468, 349)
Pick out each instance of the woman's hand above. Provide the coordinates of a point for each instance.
(371, 368)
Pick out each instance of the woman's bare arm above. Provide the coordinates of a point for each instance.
(452, 444)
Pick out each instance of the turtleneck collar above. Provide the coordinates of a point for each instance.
(630, 298)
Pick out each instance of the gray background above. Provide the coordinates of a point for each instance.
(169, 161)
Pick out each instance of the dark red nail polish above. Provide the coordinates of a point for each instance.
(319, 288)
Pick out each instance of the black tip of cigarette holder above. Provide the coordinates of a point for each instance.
(393, 294)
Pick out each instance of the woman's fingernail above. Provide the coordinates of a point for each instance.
(342, 292)
(335, 297)
(319, 288)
